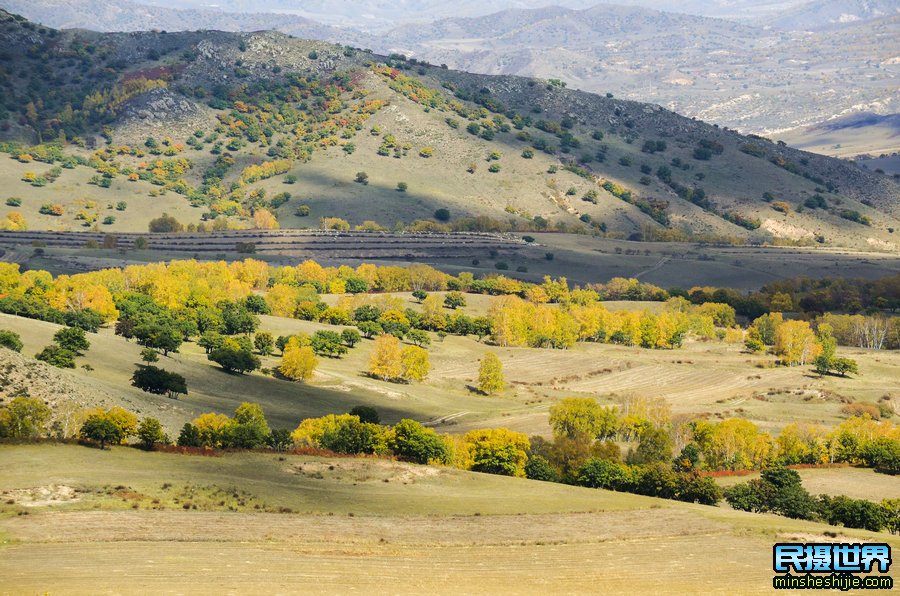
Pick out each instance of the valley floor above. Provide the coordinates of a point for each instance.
(357, 526)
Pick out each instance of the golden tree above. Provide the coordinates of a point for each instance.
(298, 362)
(385, 359)
(415, 364)
(490, 375)
(796, 343)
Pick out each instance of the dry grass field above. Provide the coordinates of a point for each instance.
(116, 521)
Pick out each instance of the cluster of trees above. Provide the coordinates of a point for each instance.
(182, 283)
(69, 342)
(826, 294)
(797, 343)
(360, 433)
(780, 491)
(390, 362)
(583, 428)
(874, 332)
(116, 425)
(515, 322)
(153, 379)
(247, 429)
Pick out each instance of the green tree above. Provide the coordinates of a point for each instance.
(159, 334)
(747, 496)
(603, 473)
(264, 343)
(369, 329)
(410, 440)
(150, 433)
(845, 366)
(891, 509)
(248, 429)
(882, 454)
(102, 430)
(350, 337)
(538, 468)
(693, 488)
(210, 340)
(165, 224)
(235, 359)
(328, 343)
(72, 339)
(655, 446)
(156, 380)
(257, 304)
(189, 436)
(279, 439)
(490, 375)
(366, 414)
(353, 436)
(454, 300)
(57, 356)
(238, 319)
(10, 340)
(149, 355)
(281, 342)
(418, 337)
(852, 513)
(778, 490)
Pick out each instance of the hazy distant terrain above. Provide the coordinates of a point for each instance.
(734, 74)
(849, 136)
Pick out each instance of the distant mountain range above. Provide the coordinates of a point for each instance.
(829, 14)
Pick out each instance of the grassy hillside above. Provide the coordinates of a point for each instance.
(357, 524)
(646, 172)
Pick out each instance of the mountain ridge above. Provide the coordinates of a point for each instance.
(563, 156)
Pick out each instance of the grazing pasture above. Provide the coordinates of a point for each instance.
(357, 525)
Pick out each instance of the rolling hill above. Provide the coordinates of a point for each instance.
(754, 65)
(230, 115)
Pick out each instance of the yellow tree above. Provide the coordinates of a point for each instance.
(125, 421)
(415, 364)
(211, 427)
(433, 313)
(298, 362)
(385, 360)
(14, 221)
(264, 220)
(282, 300)
(498, 451)
(490, 375)
(802, 443)
(796, 343)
